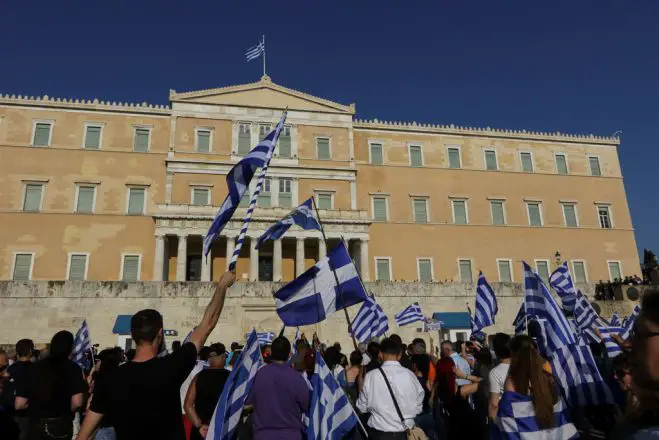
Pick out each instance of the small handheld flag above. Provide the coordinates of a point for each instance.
(486, 305)
(81, 344)
(411, 314)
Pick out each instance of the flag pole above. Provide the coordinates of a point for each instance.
(336, 277)
(263, 41)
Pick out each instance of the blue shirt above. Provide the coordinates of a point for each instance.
(463, 365)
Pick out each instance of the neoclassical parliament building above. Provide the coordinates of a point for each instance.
(100, 190)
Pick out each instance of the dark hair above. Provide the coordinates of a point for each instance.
(332, 357)
(281, 348)
(356, 358)
(373, 350)
(458, 346)
(390, 346)
(110, 359)
(501, 345)
(621, 364)
(397, 340)
(204, 353)
(176, 345)
(130, 354)
(418, 341)
(51, 371)
(422, 363)
(520, 342)
(145, 326)
(61, 345)
(484, 358)
(24, 347)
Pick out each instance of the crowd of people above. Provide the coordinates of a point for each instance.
(450, 391)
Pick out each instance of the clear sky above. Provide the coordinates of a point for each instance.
(571, 66)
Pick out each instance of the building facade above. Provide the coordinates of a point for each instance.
(93, 190)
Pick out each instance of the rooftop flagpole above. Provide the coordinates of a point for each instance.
(263, 42)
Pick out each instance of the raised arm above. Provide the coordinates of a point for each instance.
(213, 310)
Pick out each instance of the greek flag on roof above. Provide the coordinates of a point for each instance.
(612, 347)
(81, 344)
(224, 423)
(314, 295)
(238, 181)
(255, 51)
(615, 320)
(561, 282)
(370, 322)
(331, 416)
(303, 216)
(486, 305)
(411, 314)
(629, 322)
(541, 304)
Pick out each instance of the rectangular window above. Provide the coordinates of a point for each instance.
(244, 139)
(77, 267)
(264, 130)
(420, 207)
(425, 270)
(285, 193)
(131, 268)
(535, 216)
(491, 160)
(453, 157)
(594, 166)
(579, 272)
(22, 267)
(383, 269)
(201, 196)
(203, 144)
(460, 212)
(324, 200)
(142, 138)
(561, 164)
(265, 200)
(526, 161)
(498, 216)
(244, 202)
(604, 215)
(323, 149)
(380, 209)
(615, 272)
(464, 267)
(416, 156)
(284, 144)
(505, 271)
(136, 199)
(542, 268)
(33, 197)
(570, 215)
(42, 132)
(85, 199)
(92, 137)
(376, 154)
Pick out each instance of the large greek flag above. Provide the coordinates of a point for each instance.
(486, 305)
(238, 181)
(561, 282)
(81, 344)
(303, 216)
(411, 314)
(370, 322)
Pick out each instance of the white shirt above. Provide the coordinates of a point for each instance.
(497, 378)
(376, 399)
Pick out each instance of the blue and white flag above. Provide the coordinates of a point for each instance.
(612, 347)
(615, 320)
(81, 344)
(628, 324)
(475, 333)
(238, 182)
(265, 338)
(584, 314)
(520, 320)
(314, 295)
(411, 314)
(303, 216)
(224, 423)
(432, 324)
(370, 322)
(255, 51)
(486, 305)
(331, 416)
(561, 282)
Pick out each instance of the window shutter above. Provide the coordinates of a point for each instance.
(85, 199)
(605, 219)
(570, 216)
(285, 145)
(383, 270)
(200, 196)
(41, 134)
(579, 271)
(93, 138)
(543, 270)
(141, 140)
(504, 272)
(527, 163)
(22, 265)
(425, 271)
(380, 209)
(244, 140)
(460, 212)
(322, 145)
(244, 202)
(265, 200)
(453, 158)
(561, 164)
(465, 272)
(595, 166)
(77, 267)
(203, 141)
(376, 154)
(614, 270)
(420, 214)
(32, 202)
(131, 266)
(490, 160)
(285, 200)
(324, 201)
(415, 156)
(136, 201)
(497, 213)
(534, 214)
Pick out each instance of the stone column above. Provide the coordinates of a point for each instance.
(276, 260)
(363, 255)
(182, 258)
(299, 257)
(159, 258)
(206, 263)
(253, 261)
(231, 246)
(322, 249)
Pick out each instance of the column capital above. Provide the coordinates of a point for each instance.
(182, 235)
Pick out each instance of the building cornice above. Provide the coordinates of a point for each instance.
(84, 104)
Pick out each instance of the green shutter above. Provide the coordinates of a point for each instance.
(595, 166)
(203, 141)
(570, 216)
(498, 217)
(32, 201)
(244, 139)
(420, 213)
(416, 159)
(579, 272)
(285, 145)
(465, 272)
(200, 196)
(85, 199)
(22, 266)
(323, 148)
(614, 270)
(265, 201)
(77, 267)
(41, 135)
(376, 154)
(454, 158)
(460, 212)
(141, 140)
(244, 202)
(527, 162)
(136, 201)
(131, 267)
(561, 164)
(93, 138)
(380, 209)
(382, 267)
(505, 276)
(324, 201)
(425, 271)
(285, 200)
(543, 270)
(534, 214)
(491, 160)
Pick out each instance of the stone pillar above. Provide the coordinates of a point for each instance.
(231, 246)
(159, 259)
(182, 258)
(276, 260)
(299, 257)
(363, 255)
(322, 249)
(253, 261)
(206, 263)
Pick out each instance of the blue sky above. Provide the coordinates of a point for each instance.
(571, 66)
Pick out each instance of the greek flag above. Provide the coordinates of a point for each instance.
(265, 338)
(615, 320)
(628, 325)
(255, 51)
(315, 295)
(370, 322)
(561, 282)
(486, 305)
(411, 314)
(303, 216)
(475, 333)
(224, 423)
(331, 416)
(238, 181)
(584, 313)
(540, 304)
(612, 347)
(81, 344)
(520, 320)
(432, 324)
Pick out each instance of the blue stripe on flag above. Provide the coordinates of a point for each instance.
(486, 305)
(411, 314)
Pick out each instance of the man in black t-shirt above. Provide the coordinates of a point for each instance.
(18, 376)
(142, 397)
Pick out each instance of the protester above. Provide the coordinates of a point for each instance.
(421, 368)
(482, 367)
(497, 377)
(460, 363)
(18, 374)
(205, 390)
(235, 350)
(109, 359)
(352, 376)
(142, 397)
(404, 357)
(332, 359)
(297, 360)
(280, 396)
(374, 353)
(376, 397)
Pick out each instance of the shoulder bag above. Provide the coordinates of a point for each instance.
(415, 433)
